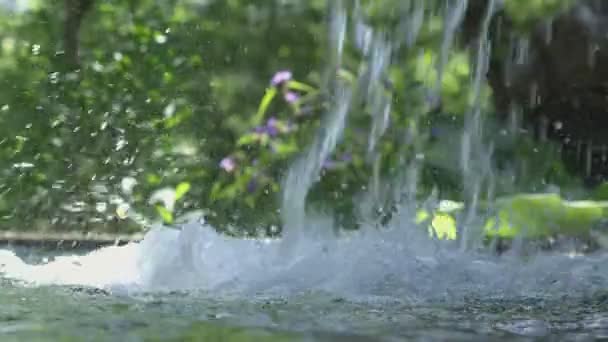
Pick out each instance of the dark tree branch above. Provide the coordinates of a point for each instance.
(75, 11)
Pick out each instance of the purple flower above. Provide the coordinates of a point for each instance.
(435, 132)
(329, 164)
(272, 127)
(228, 164)
(291, 97)
(252, 185)
(281, 77)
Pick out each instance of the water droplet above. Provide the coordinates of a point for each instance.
(23, 165)
(160, 38)
(35, 49)
(588, 159)
(169, 110)
(54, 77)
(127, 184)
(121, 143)
(97, 66)
(101, 207)
(557, 125)
(522, 51)
(548, 28)
(122, 211)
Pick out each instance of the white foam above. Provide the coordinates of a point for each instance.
(111, 265)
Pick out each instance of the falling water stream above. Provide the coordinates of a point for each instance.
(313, 284)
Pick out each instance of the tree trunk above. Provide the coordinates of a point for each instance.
(75, 10)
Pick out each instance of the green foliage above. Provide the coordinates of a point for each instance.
(528, 12)
(533, 216)
(173, 109)
(542, 215)
(163, 91)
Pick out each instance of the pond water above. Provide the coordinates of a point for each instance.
(79, 314)
(368, 286)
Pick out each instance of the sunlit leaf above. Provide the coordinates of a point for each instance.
(295, 85)
(181, 189)
(421, 216)
(153, 179)
(544, 215)
(248, 139)
(271, 92)
(284, 148)
(164, 213)
(444, 227)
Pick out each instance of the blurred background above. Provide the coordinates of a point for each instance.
(118, 113)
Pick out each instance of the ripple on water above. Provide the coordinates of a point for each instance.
(526, 327)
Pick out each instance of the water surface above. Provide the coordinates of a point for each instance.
(373, 285)
(79, 313)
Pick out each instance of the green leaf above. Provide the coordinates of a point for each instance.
(295, 85)
(248, 139)
(444, 227)
(601, 192)
(544, 215)
(215, 191)
(346, 75)
(181, 189)
(421, 216)
(250, 201)
(268, 97)
(153, 179)
(165, 214)
(285, 149)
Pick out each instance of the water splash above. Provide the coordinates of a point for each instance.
(397, 263)
(377, 53)
(305, 171)
(454, 15)
(411, 24)
(476, 154)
